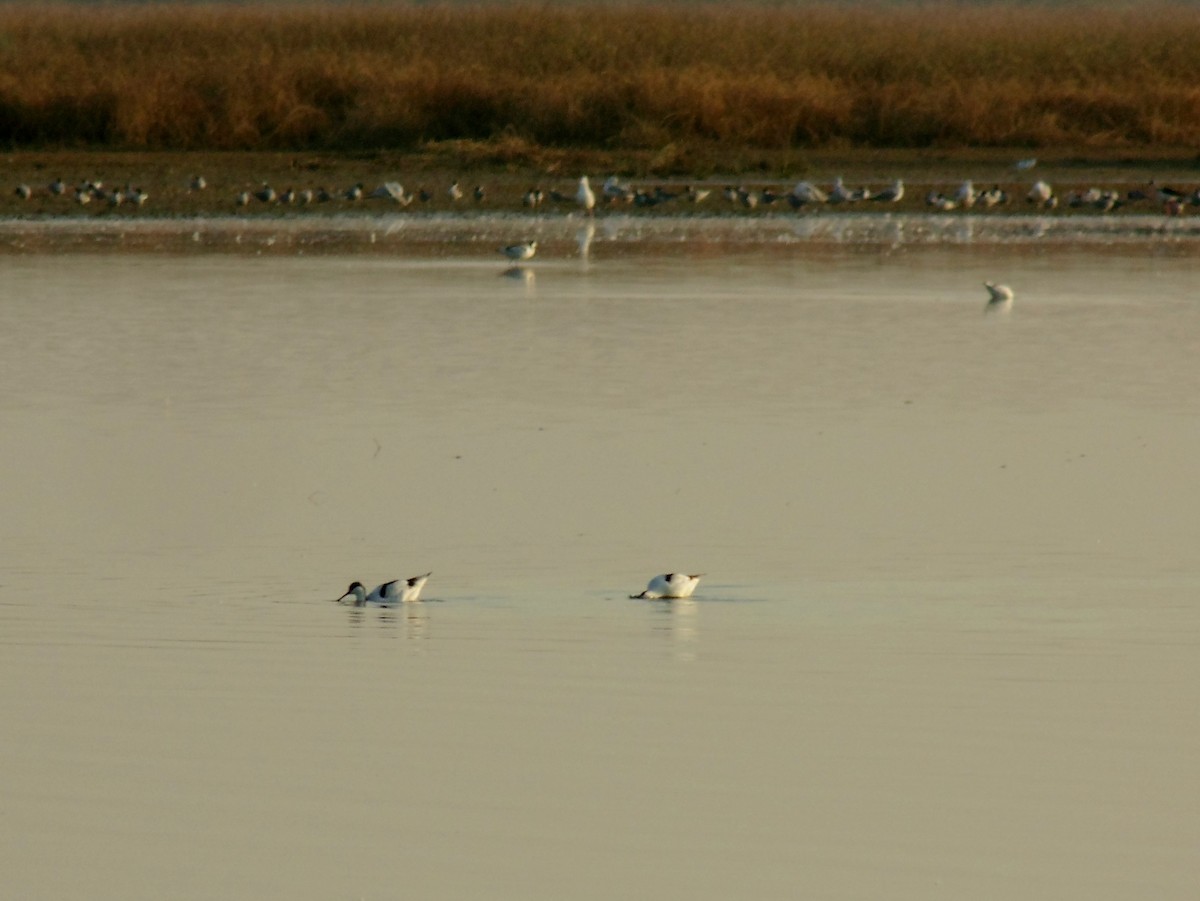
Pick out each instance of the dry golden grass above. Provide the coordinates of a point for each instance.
(663, 78)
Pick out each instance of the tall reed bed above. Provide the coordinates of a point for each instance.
(613, 76)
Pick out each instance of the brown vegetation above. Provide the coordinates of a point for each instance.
(665, 78)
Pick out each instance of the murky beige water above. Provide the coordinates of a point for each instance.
(947, 644)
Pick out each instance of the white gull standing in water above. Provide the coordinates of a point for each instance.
(585, 197)
(670, 585)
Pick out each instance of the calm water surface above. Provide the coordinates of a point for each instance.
(947, 644)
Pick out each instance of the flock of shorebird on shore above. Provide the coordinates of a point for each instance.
(667, 587)
(614, 192)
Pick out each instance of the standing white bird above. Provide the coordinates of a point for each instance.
(670, 585)
(398, 591)
(585, 197)
(1041, 193)
(520, 252)
(966, 194)
(839, 193)
(999, 296)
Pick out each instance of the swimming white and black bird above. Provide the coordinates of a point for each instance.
(355, 193)
(398, 591)
(520, 252)
(998, 295)
(24, 192)
(243, 199)
(584, 196)
(669, 586)
(266, 193)
(197, 183)
(56, 187)
(1026, 164)
(454, 192)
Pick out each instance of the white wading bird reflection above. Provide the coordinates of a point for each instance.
(670, 585)
(398, 591)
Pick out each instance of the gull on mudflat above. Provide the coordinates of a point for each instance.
(584, 196)
(520, 252)
(891, 194)
(807, 192)
(1042, 194)
(391, 190)
(839, 193)
(669, 585)
(614, 191)
(940, 201)
(992, 196)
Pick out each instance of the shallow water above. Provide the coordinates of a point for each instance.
(945, 645)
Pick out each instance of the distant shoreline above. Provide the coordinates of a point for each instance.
(165, 178)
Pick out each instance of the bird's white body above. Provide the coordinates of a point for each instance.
(891, 195)
(999, 296)
(669, 586)
(839, 193)
(394, 191)
(398, 591)
(807, 192)
(584, 196)
(520, 252)
(1041, 193)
